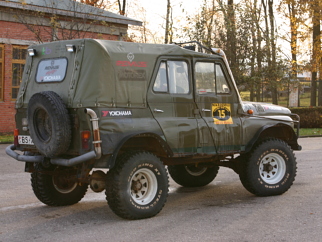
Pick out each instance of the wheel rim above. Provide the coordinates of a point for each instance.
(272, 168)
(196, 171)
(43, 125)
(144, 186)
(63, 182)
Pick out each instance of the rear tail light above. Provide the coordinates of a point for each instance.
(15, 137)
(86, 135)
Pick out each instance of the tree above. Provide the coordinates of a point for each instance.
(122, 6)
(252, 18)
(270, 41)
(258, 51)
(273, 54)
(294, 11)
(293, 17)
(139, 33)
(52, 25)
(247, 33)
(168, 23)
(231, 35)
(95, 3)
(316, 47)
(202, 26)
(104, 4)
(230, 25)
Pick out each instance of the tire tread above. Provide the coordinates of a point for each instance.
(246, 172)
(42, 186)
(113, 182)
(61, 133)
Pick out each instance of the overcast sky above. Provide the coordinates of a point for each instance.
(156, 9)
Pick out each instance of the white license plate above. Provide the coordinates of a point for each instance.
(25, 140)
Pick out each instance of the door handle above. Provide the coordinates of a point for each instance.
(158, 110)
(206, 110)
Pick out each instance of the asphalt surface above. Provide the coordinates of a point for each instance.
(221, 211)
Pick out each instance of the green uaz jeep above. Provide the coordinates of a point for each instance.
(133, 110)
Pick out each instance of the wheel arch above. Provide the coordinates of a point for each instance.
(150, 142)
(280, 131)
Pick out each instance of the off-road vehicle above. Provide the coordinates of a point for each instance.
(116, 116)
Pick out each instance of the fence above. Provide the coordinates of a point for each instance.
(304, 94)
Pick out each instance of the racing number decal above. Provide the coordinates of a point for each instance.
(221, 113)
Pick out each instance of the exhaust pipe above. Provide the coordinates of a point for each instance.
(97, 139)
(90, 155)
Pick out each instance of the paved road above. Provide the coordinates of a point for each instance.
(221, 211)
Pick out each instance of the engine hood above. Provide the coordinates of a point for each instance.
(265, 109)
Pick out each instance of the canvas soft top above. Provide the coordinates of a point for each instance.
(100, 72)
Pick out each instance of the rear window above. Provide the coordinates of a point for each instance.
(51, 70)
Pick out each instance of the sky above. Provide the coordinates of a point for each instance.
(157, 8)
(156, 12)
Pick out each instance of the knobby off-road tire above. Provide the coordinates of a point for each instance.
(270, 169)
(49, 123)
(193, 176)
(59, 188)
(137, 187)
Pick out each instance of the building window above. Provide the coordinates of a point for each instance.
(18, 63)
(1, 71)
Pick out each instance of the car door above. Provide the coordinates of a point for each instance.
(171, 101)
(217, 101)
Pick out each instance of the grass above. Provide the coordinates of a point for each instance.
(282, 101)
(7, 138)
(310, 132)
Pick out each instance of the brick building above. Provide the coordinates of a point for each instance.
(25, 22)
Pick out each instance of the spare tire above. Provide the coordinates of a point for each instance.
(49, 123)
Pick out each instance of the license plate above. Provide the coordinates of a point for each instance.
(25, 140)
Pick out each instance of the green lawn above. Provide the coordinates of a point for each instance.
(6, 138)
(282, 101)
(310, 132)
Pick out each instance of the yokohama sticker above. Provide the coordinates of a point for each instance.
(117, 113)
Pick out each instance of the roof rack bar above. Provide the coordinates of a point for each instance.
(199, 44)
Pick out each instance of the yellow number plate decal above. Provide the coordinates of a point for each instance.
(221, 113)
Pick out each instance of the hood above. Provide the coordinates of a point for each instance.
(265, 109)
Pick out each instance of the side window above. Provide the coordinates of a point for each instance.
(161, 81)
(210, 78)
(222, 85)
(172, 78)
(205, 77)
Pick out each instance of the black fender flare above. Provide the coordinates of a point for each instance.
(292, 142)
(163, 143)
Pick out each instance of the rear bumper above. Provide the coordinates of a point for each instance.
(10, 150)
